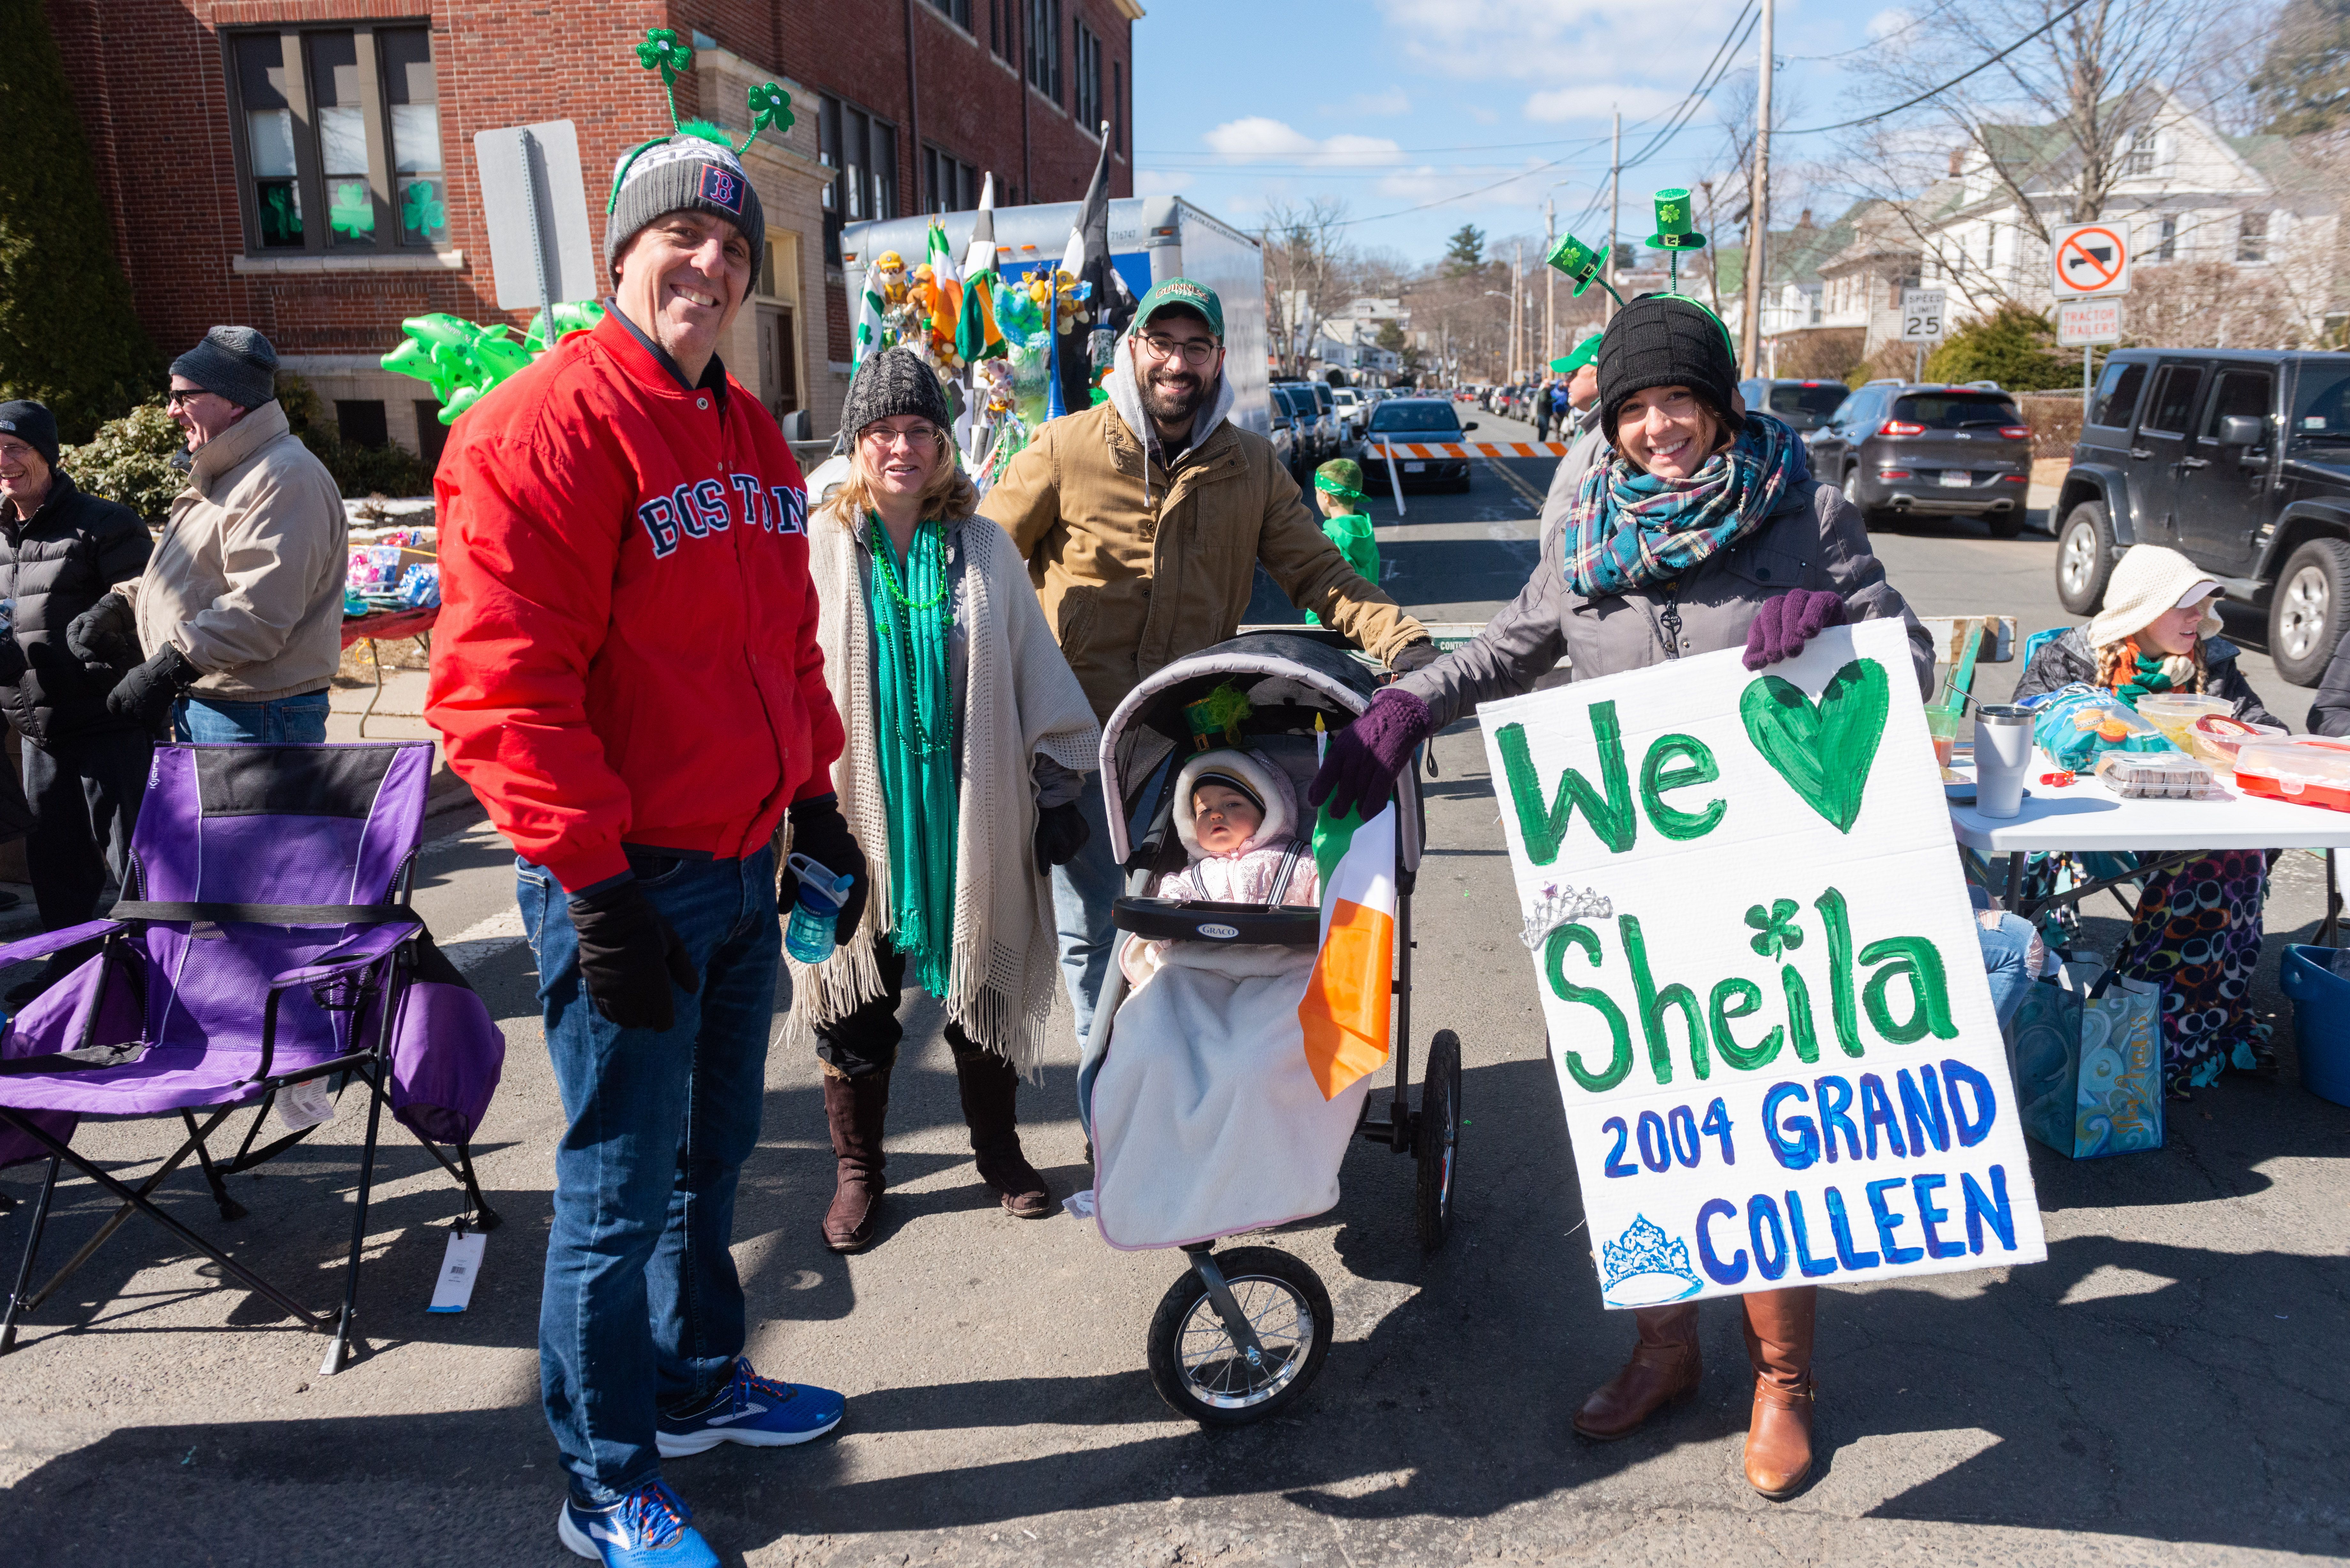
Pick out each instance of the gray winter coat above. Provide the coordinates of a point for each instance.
(1812, 539)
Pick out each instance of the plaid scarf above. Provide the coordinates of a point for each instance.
(1627, 529)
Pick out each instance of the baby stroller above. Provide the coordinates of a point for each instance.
(1204, 1119)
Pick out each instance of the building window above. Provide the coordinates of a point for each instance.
(2167, 248)
(1044, 48)
(2137, 158)
(361, 422)
(2252, 238)
(949, 185)
(1006, 21)
(1990, 244)
(955, 11)
(1088, 82)
(862, 153)
(340, 122)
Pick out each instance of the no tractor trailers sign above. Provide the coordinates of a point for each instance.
(2091, 259)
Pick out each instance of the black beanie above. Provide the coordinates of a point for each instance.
(893, 382)
(33, 424)
(1664, 340)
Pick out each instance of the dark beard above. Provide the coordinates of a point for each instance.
(1176, 409)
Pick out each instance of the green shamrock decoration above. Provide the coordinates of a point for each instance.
(770, 105)
(662, 52)
(1776, 932)
(422, 211)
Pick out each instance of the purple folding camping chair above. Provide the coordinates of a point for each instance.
(265, 938)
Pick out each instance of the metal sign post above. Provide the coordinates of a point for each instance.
(2087, 322)
(1921, 322)
(535, 203)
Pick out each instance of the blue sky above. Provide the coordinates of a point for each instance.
(1481, 106)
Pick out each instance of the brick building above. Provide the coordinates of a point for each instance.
(224, 130)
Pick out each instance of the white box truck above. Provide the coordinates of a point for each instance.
(1150, 238)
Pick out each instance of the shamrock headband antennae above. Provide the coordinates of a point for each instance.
(662, 51)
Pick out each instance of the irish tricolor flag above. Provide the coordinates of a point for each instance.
(1346, 1007)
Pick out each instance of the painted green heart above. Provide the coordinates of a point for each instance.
(1822, 750)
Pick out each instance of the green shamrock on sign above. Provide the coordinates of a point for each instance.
(422, 210)
(1776, 930)
(662, 52)
(770, 105)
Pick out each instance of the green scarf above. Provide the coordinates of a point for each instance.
(2148, 680)
(912, 613)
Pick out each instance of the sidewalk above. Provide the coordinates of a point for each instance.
(399, 714)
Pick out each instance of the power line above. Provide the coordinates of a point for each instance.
(1936, 92)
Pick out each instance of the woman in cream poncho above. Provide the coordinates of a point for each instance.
(968, 742)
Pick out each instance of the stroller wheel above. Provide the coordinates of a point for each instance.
(1200, 1369)
(1436, 1139)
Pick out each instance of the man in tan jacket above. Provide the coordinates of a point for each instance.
(1143, 521)
(239, 614)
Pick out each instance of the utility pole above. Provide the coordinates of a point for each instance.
(1550, 294)
(1517, 312)
(1615, 201)
(1758, 214)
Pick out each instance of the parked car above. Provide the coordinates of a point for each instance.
(1929, 448)
(1307, 414)
(2238, 459)
(1418, 421)
(1354, 409)
(1804, 405)
(1284, 434)
(1334, 430)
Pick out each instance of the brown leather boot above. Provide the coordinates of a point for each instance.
(855, 1107)
(1779, 1433)
(1664, 1369)
(989, 1083)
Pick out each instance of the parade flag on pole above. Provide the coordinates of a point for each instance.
(977, 336)
(870, 325)
(946, 285)
(1348, 997)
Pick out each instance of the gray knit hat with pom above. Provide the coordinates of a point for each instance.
(893, 382)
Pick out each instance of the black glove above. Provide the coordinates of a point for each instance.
(1061, 832)
(1418, 654)
(820, 833)
(105, 635)
(630, 957)
(12, 659)
(146, 693)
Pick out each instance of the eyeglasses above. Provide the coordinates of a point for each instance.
(884, 437)
(1195, 350)
(181, 397)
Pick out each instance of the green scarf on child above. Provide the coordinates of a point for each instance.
(912, 613)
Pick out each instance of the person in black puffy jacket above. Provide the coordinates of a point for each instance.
(61, 549)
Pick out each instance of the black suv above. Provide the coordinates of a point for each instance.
(1804, 405)
(2238, 459)
(1929, 448)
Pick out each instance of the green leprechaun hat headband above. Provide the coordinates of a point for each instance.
(1581, 264)
(1674, 231)
(662, 51)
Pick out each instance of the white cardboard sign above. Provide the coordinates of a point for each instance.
(1777, 1050)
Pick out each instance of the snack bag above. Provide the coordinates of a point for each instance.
(2079, 723)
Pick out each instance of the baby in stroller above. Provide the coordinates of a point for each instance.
(1236, 816)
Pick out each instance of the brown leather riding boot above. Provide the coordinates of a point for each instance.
(989, 1085)
(854, 1108)
(1779, 1433)
(1664, 1369)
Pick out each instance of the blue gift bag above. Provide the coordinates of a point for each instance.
(2086, 1048)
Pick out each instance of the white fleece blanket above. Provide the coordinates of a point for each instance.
(1206, 1120)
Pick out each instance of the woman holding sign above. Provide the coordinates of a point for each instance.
(1698, 528)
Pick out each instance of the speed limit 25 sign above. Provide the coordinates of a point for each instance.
(1921, 315)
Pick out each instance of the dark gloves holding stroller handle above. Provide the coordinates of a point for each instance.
(1783, 625)
(105, 635)
(146, 693)
(630, 956)
(821, 832)
(1364, 758)
(1416, 654)
(1061, 831)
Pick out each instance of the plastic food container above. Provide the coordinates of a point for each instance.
(2174, 713)
(2306, 771)
(2158, 775)
(2217, 738)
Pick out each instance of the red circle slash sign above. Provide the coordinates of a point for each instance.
(2089, 259)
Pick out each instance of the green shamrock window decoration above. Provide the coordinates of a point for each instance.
(350, 210)
(1776, 928)
(422, 211)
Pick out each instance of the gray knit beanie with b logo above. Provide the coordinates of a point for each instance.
(683, 173)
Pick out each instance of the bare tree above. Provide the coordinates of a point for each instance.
(1305, 266)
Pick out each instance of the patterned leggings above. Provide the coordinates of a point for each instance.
(2198, 936)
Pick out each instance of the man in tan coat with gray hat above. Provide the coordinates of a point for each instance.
(238, 617)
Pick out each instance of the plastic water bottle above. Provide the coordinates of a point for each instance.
(808, 936)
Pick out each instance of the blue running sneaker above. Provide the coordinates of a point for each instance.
(646, 1529)
(751, 1409)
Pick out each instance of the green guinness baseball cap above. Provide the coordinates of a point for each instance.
(1197, 298)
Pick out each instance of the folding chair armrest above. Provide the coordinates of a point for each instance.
(368, 948)
(48, 942)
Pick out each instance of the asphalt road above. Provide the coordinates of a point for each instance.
(2168, 1388)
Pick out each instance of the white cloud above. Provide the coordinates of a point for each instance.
(1151, 182)
(1393, 101)
(1261, 140)
(1595, 100)
(1580, 56)
(1888, 21)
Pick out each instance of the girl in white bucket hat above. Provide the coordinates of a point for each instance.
(2198, 930)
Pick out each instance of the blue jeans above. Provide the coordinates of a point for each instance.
(642, 1310)
(2003, 965)
(300, 719)
(1083, 892)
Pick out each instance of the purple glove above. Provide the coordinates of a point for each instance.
(1365, 757)
(1783, 625)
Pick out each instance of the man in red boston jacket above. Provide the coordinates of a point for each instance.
(627, 674)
